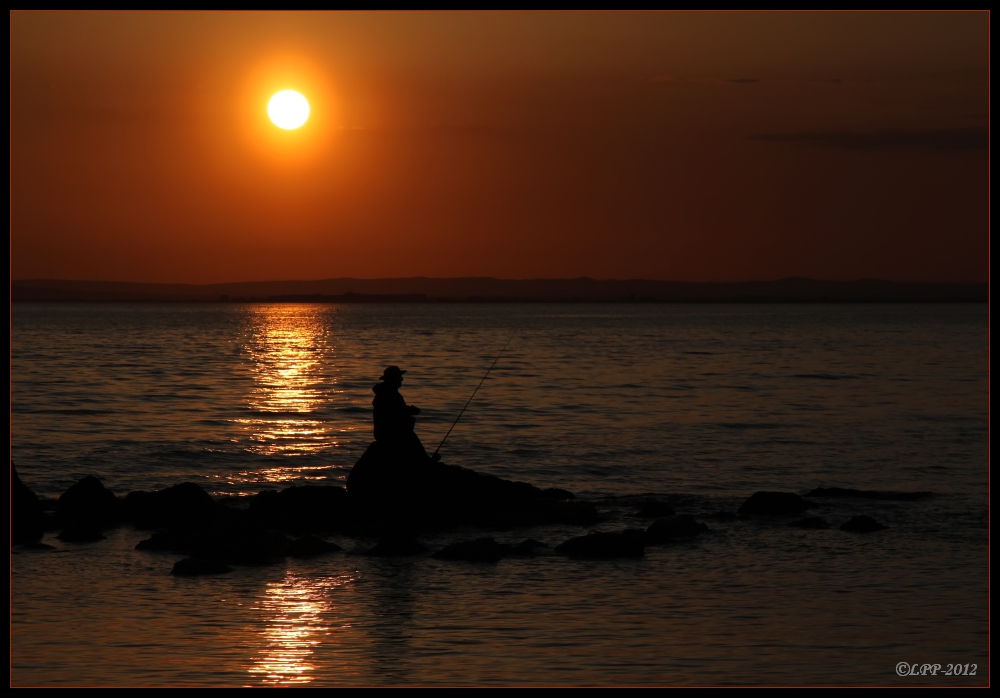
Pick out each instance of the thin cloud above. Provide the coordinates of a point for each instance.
(955, 139)
(737, 81)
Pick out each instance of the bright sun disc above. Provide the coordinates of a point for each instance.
(288, 109)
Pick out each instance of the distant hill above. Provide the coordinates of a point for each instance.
(490, 290)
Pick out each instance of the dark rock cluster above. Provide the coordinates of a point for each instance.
(487, 550)
(784, 503)
(386, 486)
(627, 543)
(811, 522)
(387, 499)
(632, 541)
(772, 503)
(861, 524)
(382, 501)
(664, 530)
(397, 546)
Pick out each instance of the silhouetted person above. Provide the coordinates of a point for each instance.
(394, 419)
(392, 475)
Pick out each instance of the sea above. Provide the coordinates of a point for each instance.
(697, 405)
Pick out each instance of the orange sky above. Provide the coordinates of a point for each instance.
(684, 146)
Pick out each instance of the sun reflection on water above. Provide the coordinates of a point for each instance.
(294, 614)
(290, 362)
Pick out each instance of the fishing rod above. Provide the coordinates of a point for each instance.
(434, 456)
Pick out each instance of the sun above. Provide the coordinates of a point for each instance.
(288, 109)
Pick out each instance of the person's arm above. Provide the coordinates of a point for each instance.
(404, 408)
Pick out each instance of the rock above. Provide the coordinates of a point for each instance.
(723, 516)
(395, 484)
(544, 510)
(27, 519)
(89, 500)
(479, 550)
(241, 546)
(197, 525)
(458, 495)
(50, 521)
(771, 503)
(683, 526)
(386, 478)
(167, 542)
(655, 510)
(885, 495)
(311, 546)
(525, 548)
(811, 522)
(182, 505)
(556, 493)
(397, 547)
(628, 543)
(862, 524)
(306, 508)
(80, 533)
(190, 567)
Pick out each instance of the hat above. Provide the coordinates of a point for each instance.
(392, 372)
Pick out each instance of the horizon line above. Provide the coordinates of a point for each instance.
(491, 278)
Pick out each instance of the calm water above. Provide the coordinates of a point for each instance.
(700, 405)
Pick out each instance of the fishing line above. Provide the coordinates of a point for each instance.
(473, 395)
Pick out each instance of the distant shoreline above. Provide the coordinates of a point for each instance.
(490, 290)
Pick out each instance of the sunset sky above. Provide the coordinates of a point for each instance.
(686, 146)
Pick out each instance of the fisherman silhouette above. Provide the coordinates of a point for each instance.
(394, 467)
(394, 419)
(395, 486)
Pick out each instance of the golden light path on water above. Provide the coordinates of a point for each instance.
(294, 610)
(287, 350)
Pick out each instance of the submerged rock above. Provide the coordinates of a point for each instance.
(301, 509)
(479, 550)
(191, 567)
(811, 522)
(401, 546)
(192, 523)
(772, 503)
(683, 526)
(885, 495)
(182, 505)
(655, 510)
(525, 548)
(628, 543)
(89, 500)
(862, 524)
(544, 510)
(311, 546)
(81, 533)
(243, 546)
(488, 550)
(556, 493)
(723, 516)
(27, 518)
(50, 521)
